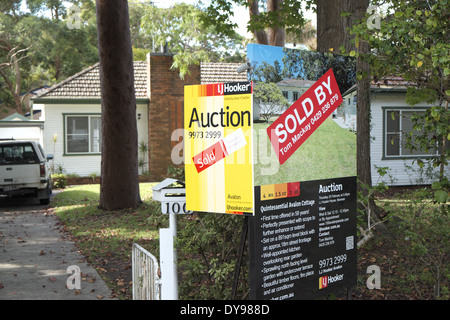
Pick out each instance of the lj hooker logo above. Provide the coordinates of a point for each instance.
(326, 280)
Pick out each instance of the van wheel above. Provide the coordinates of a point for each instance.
(46, 193)
(44, 201)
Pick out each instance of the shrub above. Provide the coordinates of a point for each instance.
(208, 248)
(59, 180)
(424, 234)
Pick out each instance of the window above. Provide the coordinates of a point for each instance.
(18, 153)
(295, 94)
(286, 95)
(398, 124)
(83, 134)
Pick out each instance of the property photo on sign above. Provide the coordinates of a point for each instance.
(297, 94)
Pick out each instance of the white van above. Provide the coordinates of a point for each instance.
(24, 170)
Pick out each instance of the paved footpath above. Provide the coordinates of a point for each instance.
(34, 259)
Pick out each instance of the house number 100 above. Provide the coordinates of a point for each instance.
(175, 207)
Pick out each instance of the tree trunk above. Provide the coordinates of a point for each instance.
(260, 35)
(363, 168)
(332, 33)
(274, 36)
(13, 63)
(119, 166)
(332, 28)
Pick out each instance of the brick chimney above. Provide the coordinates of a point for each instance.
(166, 109)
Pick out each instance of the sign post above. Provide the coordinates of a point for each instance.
(173, 202)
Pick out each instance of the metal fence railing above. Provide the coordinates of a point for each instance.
(146, 281)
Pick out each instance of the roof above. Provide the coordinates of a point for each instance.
(218, 72)
(392, 82)
(15, 117)
(86, 84)
(386, 84)
(296, 83)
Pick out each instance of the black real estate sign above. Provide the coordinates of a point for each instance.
(302, 241)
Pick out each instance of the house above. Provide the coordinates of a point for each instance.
(23, 127)
(347, 110)
(71, 110)
(390, 121)
(19, 127)
(292, 89)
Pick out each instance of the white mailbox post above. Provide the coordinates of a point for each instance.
(172, 195)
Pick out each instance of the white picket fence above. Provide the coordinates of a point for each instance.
(146, 281)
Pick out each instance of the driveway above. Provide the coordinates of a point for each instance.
(35, 257)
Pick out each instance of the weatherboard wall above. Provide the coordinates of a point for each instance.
(401, 171)
(80, 164)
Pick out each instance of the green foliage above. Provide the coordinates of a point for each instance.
(268, 72)
(412, 42)
(182, 30)
(289, 15)
(175, 172)
(441, 190)
(424, 231)
(59, 180)
(207, 246)
(54, 51)
(270, 99)
(430, 134)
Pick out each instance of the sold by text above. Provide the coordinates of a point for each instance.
(230, 309)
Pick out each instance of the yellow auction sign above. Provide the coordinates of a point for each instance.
(218, 147)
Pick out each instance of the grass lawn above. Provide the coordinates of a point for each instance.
(329, 152)
(413, 256)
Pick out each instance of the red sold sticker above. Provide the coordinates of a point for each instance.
(304, 116)
(220, 150)
(210, 156)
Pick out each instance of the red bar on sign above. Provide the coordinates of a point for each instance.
(209, 156)
(293, 189)
(302, 118)
(210, 90)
